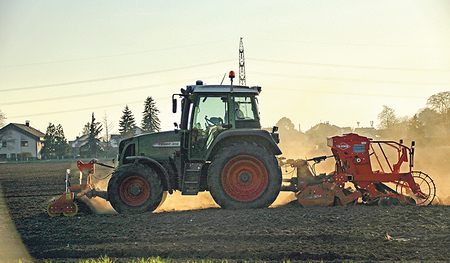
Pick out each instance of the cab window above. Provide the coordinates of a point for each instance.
(207, 121)
(246, 112)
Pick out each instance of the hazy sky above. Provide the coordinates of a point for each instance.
(316, 61)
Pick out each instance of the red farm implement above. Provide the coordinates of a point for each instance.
(363, 174)
(67, 203)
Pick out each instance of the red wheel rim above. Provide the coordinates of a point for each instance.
(134, 191)
(244, 178)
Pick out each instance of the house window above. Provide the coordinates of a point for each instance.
(24, 143)
(3, 144)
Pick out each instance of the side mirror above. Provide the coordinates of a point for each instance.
(274, 129)
(174, 105)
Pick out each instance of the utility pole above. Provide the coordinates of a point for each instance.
(241, 64)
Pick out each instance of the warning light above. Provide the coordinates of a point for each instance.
(231, 75)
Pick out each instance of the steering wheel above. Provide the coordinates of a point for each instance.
(209, 123)
(213, 121)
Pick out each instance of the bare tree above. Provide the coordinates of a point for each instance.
(440, 102)
(388, 119)
(107, 126)
(2, 119)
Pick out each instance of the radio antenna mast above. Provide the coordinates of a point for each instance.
(241, 64)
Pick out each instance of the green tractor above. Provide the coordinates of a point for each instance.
(219, 147)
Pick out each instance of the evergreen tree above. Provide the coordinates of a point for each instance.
(92, 148)
(86, 129)
(150, 120)
(55, 143)
(48, 149)
(62, 148)
(127, 123)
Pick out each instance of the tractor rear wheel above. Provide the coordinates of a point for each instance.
(244, 175)
(134, 188)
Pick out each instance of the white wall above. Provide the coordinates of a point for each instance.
(14, 146)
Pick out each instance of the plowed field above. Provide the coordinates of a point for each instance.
(285, 232)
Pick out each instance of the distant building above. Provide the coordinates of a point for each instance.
(115, 139)
(79, 141)
(20, 141)
(369, 132)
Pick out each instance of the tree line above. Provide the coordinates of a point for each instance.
(429, 126)
(430, 122)
(56, 145)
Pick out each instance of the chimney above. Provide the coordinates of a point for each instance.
(27, 123)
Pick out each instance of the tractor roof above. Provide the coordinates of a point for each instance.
(220, 89)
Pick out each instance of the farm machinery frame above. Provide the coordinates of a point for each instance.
(356, 181)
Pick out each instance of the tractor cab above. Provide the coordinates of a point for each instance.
(208, 110)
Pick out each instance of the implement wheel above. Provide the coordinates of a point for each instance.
(422, 193)
(48, 209)
(75, 210)
(134, 188)
(244, 175)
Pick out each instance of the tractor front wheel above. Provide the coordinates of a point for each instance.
(135, 188)
(244, 175)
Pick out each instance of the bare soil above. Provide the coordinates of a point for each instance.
(285, 232)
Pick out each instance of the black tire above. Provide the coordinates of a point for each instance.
(83, 206)
(244, 175)
(134, 188)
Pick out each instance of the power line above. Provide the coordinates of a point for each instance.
(115, 77)
(353, 94)
(277, 88)
(103, 92)
(347, 44)
(82, 109)
(127, 89)
(114, 55)
(346, 66)
(352, 80)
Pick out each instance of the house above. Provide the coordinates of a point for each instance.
(79, 141)
(115, 140)
(20, 141)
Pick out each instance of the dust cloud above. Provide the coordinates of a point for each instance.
(178, 202)
(435, 162)
(172, 202)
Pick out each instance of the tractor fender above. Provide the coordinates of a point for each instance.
(160, 170)
(261, 137)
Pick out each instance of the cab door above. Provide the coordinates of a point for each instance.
(208, 118)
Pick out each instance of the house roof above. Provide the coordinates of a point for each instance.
(26, 129)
